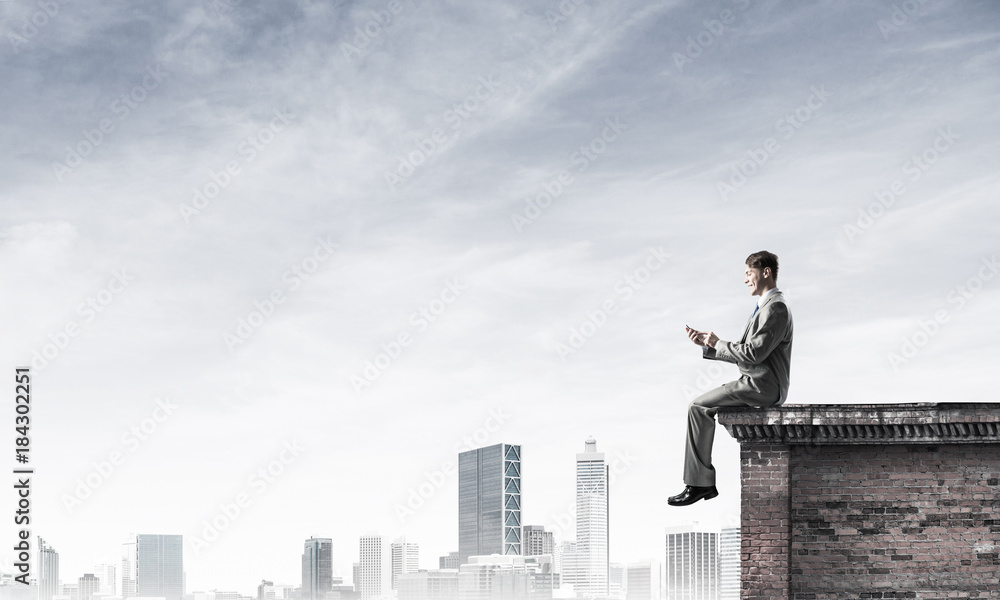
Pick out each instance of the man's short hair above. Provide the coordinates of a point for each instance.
(763, 259)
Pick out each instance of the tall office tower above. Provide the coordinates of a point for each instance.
(108, 574)
(87, 586)
(449, 562)
(370, 567)
(642, 581)
(405, 559)
(128, 567)
(317, 568)
(729, 563)
(489, 502)
(159, 566)
(692, 568)
(592, 521)
(538, 541)
(48, 571)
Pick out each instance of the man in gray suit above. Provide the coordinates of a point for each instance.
(763, 356)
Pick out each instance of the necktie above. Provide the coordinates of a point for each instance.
(755, 309)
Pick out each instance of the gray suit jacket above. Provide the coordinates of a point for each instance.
(763, 354)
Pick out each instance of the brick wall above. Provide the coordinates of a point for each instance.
(895, 521)
(872, 501)
(765, 502)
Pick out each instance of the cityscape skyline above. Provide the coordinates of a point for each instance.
(379, 561)
(276, 265)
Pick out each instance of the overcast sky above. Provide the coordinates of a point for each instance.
(215, 214)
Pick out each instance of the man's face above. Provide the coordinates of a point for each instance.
(754, 280)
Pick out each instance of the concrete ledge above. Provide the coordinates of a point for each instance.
(844, 424)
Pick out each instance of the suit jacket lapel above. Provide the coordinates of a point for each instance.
(746, 330)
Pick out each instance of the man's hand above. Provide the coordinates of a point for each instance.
(701, 338)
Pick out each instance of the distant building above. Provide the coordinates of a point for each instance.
(591, 579)
(616, 580)
(692, 565)
(439, 584)
(10, 589)
(159, 566)
(506, 578)
(48, 571)
(317, 568)
(568, 565)
(642, 581)
(108, 574)
(538, 541)
(88, 586)
(405, 559)
(489, 502)
(128, 568)
(371, 570)
(729, 563)
(450, 561)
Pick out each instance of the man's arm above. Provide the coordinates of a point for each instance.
(772, 329)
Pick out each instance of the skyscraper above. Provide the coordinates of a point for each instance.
(317, 568)
(729, 563)
(159, 566)
(405, 559)
(370, 567)
(538, 541)
(692, 568)
(489, 501)
(48, 571)
(592, 521)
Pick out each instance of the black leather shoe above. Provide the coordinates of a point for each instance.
(692, 494)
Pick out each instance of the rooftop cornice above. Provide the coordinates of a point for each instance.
(839, 424)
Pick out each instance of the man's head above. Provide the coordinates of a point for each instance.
(761, 273)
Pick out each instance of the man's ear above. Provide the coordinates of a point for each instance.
(766, 273)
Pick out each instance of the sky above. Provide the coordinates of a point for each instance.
(274, 264)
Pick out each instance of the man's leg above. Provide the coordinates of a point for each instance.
(698, 469)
